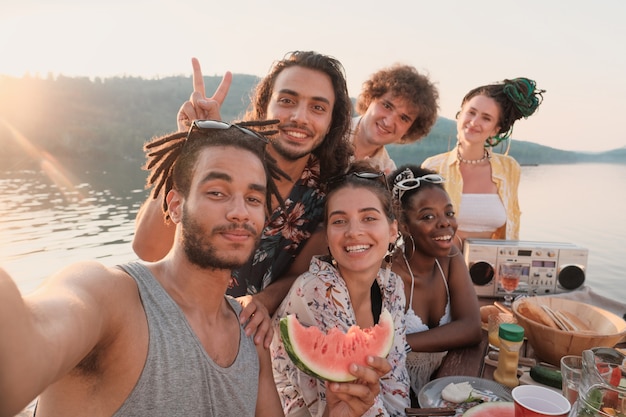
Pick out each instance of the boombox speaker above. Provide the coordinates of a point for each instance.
(547, 267)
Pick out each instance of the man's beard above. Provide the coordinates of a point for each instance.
(290, 153)
(200, 252)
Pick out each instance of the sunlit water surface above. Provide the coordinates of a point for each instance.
(44, 227)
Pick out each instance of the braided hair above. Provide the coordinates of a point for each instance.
(171, 159)
(516, 98)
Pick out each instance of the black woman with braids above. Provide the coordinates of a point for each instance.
(482, 184)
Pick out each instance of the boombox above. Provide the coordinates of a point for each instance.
(547, 267)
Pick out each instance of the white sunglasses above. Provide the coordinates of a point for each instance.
(402, 186)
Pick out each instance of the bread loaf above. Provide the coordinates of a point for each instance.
(486, 311)
(535, 313)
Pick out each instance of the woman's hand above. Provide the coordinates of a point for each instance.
(352, 399)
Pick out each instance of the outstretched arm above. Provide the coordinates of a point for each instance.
(47, 333)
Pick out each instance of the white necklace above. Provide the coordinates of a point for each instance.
(485, 157)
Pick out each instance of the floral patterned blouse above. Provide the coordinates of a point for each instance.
(320, 297)
(284, 234)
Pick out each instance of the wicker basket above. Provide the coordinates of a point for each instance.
(604, 329)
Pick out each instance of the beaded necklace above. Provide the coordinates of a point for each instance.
(485, 157)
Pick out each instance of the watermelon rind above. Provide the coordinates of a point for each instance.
(312, 351)
(492, 409)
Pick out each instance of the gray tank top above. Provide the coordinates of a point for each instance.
(179, 378)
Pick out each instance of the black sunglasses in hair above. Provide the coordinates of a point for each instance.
(202, 125)
(378, 176)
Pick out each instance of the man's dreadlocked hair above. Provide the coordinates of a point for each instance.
(516, 98)
(335, 151)
(171, 159)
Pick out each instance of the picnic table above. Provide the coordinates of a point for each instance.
(470, 361)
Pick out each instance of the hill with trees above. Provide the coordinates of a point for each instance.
(111, 118)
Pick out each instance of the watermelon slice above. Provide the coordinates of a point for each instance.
(492, 409)
(328, 356)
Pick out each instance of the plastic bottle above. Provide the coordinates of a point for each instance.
(511, 339)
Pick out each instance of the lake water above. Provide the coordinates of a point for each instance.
(44, 227)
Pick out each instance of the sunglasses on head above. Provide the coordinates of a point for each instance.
(203, 125)
(400, 187)
(378, 176)
(411, 183)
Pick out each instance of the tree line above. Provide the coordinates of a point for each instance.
(111, 118)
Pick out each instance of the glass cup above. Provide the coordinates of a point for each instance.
(536, 401)
(493, 325)
(509, 276)
(571, 370)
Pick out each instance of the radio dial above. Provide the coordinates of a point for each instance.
(539, 253)
(551, 254)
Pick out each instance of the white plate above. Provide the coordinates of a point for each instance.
(487, 390)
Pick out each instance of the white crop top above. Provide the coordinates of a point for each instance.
(480, 213)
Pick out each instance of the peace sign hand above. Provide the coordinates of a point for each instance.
(199, 106)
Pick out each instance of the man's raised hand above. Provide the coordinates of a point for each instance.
(199, 106)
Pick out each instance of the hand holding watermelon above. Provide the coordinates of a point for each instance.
(347, 399)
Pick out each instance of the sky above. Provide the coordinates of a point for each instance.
(575, 50)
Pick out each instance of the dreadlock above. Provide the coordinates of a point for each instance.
(171, 159)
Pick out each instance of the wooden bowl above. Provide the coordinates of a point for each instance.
(603, 328)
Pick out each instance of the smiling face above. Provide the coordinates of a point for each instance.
(386, 120)
(358, 231)
(430, 220)
(303, 100)
(478, 120)
(225, 212)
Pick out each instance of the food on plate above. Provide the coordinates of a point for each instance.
(547, 376)
(328, 356)
(492, 409)
(457, 393)
(486, 311)
(534, 312)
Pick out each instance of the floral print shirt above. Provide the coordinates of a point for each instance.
(284, 234)
(320, 297)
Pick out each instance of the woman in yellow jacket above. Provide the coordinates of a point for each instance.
(483, 185)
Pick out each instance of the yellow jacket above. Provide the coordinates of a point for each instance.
(505, 173)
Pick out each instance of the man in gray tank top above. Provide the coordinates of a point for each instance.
(161, 339)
